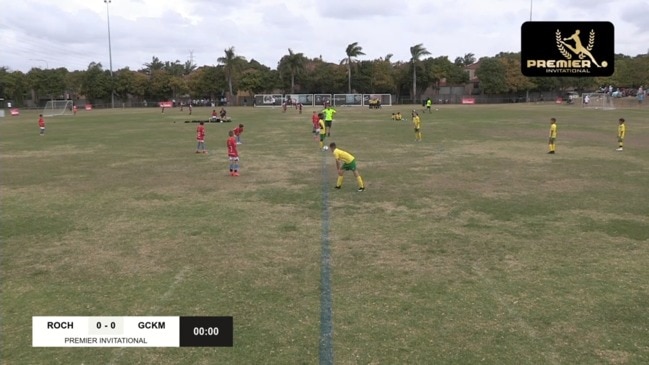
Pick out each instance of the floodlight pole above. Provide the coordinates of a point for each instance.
(110, 58)
(531, 4)
(527, 92)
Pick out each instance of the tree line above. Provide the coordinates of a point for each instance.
(297, 73)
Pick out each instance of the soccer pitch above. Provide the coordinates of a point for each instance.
(472, 246)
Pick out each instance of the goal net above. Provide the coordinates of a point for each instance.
(377, 100)
(348, 99)
(271, 100)
(597, 101)
(57, 107)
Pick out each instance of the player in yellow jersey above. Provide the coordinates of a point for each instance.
(416, 121)
(621, 132)
(345, 161)
(553, 135)
(322, 129)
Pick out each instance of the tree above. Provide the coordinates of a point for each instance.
(160, 85)
(468, 59)
(441, 68)
(353, 50)
(492, 76)
(13, 86)
(383, 75)
(4, 72)
(252, 81)
(48, 83)
(416, 52)
(154, 65)
(174, 68)
(139, 85)
(325, 78)
(231, 62)
(95, 83)
(189, 67)
(73, 82)
(515, 81)
(123, 83)
(207, 82)
(293, 63)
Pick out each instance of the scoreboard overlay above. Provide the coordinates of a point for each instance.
(132, 331)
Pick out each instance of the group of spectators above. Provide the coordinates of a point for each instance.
(621, 92)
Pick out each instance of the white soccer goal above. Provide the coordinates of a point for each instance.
(57, 107)
(271, 100)
(374, 100)
(348, 100)
(597, 101)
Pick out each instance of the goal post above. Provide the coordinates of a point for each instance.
(377, 100)
(597, 101)
(268, 100)
(348, 100)
(57, 107)
(304, 99)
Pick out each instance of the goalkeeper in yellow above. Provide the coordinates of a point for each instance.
(416, 121)
(553, 136)
(621, 132)
(345, 162)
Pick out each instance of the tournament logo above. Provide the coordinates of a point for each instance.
(587, 51)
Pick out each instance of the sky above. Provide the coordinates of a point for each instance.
(74, 33)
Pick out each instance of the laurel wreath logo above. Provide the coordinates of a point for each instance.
(563, 51)
(591, 39)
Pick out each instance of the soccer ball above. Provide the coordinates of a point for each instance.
(325, 148)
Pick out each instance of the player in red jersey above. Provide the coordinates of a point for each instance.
(233, 155)
(237, 133)
(41, 124)
(316, 125)
(200, 138)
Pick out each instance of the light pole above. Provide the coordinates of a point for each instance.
(527, 92)
(531, 3)
(110, 59)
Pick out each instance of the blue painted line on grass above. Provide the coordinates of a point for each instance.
(326, 313)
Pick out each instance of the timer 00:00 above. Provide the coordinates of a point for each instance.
(209, 331)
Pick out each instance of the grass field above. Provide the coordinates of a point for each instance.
(473, 246)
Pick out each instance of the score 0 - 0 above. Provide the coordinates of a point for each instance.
(106, 326)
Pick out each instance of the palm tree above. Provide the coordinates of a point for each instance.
(416, 52)
(189, 67)
(230, 62)
(352, 50)
(154, 65)
(469, 58)
(295, 63)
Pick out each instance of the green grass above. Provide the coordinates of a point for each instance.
(473, 246)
